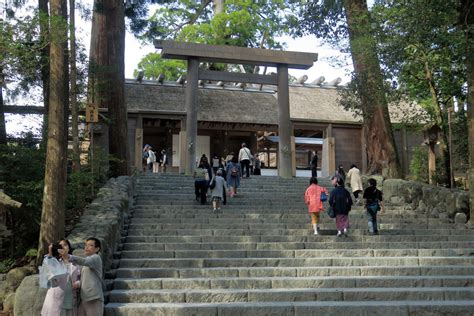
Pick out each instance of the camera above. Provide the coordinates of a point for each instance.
(55, 252)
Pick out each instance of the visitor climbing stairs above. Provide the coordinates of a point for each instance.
(259, 257)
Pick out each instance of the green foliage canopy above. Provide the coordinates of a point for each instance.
(243, 23)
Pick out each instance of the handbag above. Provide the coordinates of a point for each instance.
(323, 196)
(212, 185)
(51, 272)
(331, 212)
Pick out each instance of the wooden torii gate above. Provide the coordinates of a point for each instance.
(282, 60)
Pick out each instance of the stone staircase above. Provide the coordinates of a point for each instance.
(259, 257)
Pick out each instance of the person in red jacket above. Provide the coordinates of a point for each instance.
(312, 198)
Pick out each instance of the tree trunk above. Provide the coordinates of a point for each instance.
(3, 130)
(218, 6)
(466, 11)
(76, 162)
(377, 129)
(44, 58)
(440, 120)
(54, 194)
(106, 77)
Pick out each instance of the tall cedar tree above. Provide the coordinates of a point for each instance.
(76, 163)
(106, 77)
(54, 194)
(466, 10)
(44, 59)
(381, 151)
(3, 130)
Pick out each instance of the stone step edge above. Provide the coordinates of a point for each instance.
(289, 258)
(279, 290)
(433, 303)
(325, 278)
(467, 266)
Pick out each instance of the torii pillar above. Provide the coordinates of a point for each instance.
(195, 53)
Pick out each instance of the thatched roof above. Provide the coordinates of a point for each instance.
(217, 104)
(319, 104)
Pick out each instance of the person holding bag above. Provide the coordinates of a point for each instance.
(62, 279)
(341, 202)
(373, 204)
(314, 197)
(92, 295)
(218, 188)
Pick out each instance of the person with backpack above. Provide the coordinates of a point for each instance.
(218, 188)
(314, 197)
(373, 204)
(234, 173)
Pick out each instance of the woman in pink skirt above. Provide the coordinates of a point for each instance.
(340, 200)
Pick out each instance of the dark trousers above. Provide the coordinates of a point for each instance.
(372, 221)
(314, 172)
(200, 189)
(245, 163)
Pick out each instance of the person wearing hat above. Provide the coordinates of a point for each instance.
(244, 157)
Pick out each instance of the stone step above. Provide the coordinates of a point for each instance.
(304, 253)
(291, 232)
(293, 262)
(219, 272)
(295, 282)
(353, 308)
(299, 238)
(234, 210)
(145, 229)
(304, 219)
(294, 245)
(206, 215)
(292, 294)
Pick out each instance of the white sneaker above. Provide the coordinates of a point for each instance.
(345, 232)
(316, 232)
(339, 234)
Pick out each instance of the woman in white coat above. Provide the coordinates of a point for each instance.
(353, 175)
(61, 300)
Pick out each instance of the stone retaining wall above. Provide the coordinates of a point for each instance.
(103, 219)
(437, 202)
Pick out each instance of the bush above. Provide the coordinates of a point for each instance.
(419, 167)
(419, 164)
(22, 178)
